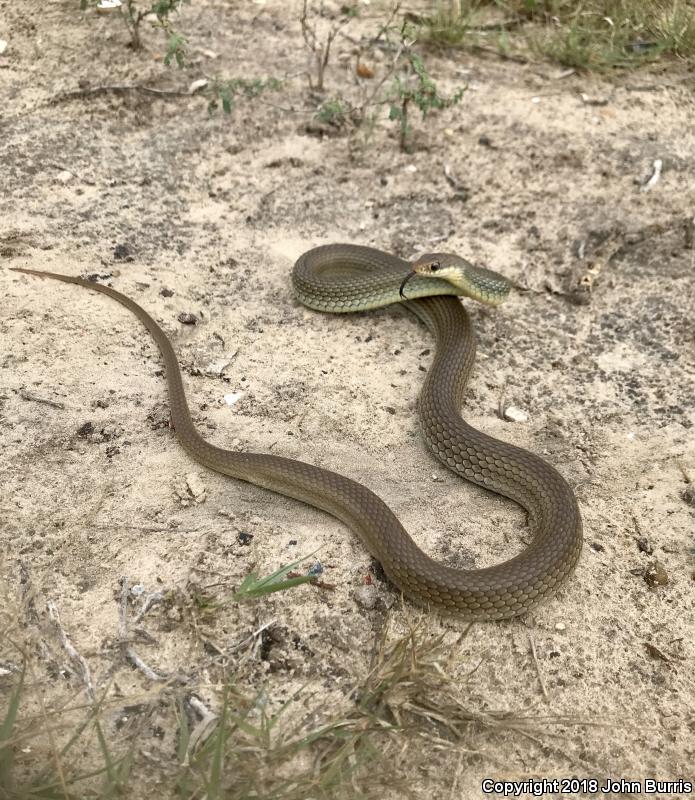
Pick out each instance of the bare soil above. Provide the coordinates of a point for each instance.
(152, 193)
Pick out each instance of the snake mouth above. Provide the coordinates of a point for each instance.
(411, 274)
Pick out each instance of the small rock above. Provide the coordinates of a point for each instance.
(3, 46)
(644, 546)
(86, 430)
(366, 596)
(196, 487)
(688, 494)
(166, 292)
(196, 85)
(245, 538)
(186, 318)
(121, 252)
(560, 626)
(514, 414)
(656, 575)
(232, 398)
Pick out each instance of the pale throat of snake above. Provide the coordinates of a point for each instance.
(476, 282)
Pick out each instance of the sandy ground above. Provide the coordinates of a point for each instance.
(153, 193)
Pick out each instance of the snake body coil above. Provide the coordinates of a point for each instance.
(351, 278)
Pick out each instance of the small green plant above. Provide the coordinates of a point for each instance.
(333, 112)
(225, 92)
(414, 86)
(592, 35)
(253, 587)
(134, 13)
(450, 23)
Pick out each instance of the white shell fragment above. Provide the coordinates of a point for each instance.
(656, 175)
(232, 398)
(215, 368)
(105, 6)
(3, 46)
(514, 414)
(201, 83)
(195, 484)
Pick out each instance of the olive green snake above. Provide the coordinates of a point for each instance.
(345, 278)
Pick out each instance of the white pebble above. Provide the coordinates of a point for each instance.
(514, 414)
(366, 596)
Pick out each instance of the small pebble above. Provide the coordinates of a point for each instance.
(688, 494)
(121, 252)
(186, 318)
(644, 546)
(560, 626)
(196, 487)
(245, 538)
(656, 575)
(366, 596)
(85, 430)
(514, 414)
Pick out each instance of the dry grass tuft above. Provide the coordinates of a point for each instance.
(63, 738)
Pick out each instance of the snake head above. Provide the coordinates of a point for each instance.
(479, 283)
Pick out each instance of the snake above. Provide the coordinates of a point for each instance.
(343, 278)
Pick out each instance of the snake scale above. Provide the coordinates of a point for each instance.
(345, 278)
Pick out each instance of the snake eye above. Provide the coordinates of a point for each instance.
(435, 265)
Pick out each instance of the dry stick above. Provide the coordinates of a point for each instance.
(538, 669)
(128, 650)
(322, 51)
(152, 599)
(28, 593)
(74, 175)
(25, 395)
(684, 472)
(236, 647)
(202, 730)
(124, 87)
(402, 45)
(70, 650)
